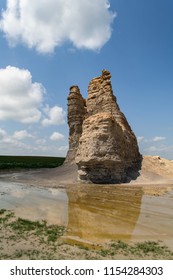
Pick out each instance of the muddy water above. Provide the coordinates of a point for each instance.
(94, 215)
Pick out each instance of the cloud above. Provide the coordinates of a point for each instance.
(22, 134)
(63, 148)
(155, 139)
(55, 116)
(162, 148)
(21, 142)
(152, 149)
(140, 138)
(13, 142)
(44, 25)
(20, 98)
(56, 136)
(2, 134)
(40, 141)
(158, 138)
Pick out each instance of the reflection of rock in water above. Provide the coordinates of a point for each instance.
(102, 214)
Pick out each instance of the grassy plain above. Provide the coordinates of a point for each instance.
(29, 162)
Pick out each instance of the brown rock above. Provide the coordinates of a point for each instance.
(106, 148)
(76, 113)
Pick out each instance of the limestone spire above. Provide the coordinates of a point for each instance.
(101, 141)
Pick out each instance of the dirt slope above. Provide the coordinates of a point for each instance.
(155, 169)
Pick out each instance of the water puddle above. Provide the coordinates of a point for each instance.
(34, 203)
(96, 214)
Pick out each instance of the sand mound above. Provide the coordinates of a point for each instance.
(155, 169)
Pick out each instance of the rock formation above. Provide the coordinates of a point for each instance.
(101, 141)
(76, 113)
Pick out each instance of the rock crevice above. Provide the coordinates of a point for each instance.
(101, 142)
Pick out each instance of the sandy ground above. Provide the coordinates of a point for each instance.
(17, 242)
(56, 177)
(155, 170)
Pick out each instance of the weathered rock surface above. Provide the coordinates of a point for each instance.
(76, 113)
(101, 141)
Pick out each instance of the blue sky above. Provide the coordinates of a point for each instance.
(47, 46)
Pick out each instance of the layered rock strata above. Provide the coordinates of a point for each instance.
(76, 113)
(101, 141)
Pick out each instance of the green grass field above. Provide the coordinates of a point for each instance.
(18, 162)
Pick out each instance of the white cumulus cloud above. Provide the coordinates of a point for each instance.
(158, 138)
(140, 138)
(10, 143)
(2, 134)
(20, 98)
(22, 134)
(55, 116)
(56, 136)
(46, 24)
